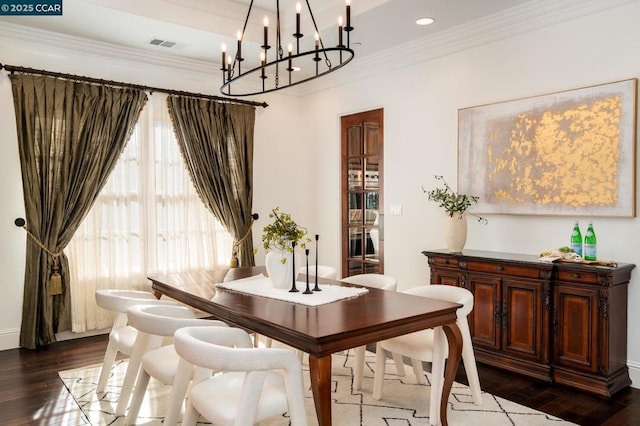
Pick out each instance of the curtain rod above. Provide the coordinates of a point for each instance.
(12, 68)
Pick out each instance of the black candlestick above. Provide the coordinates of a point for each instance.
(317, 288)
(308, 290)
(293, 268)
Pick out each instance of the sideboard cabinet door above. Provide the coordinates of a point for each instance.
(485, 318)
(575, 328)
(590, 327)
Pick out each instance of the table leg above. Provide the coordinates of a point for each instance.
(320, 373)
(454, 338)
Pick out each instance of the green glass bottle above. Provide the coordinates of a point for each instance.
(590, 243)
(576, 239)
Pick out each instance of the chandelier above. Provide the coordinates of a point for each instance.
(307, 56)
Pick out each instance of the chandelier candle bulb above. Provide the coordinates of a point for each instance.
(224, 59)
(263, 61)
(348, 15)
(340, 31)
(266, 46)
(239, 52)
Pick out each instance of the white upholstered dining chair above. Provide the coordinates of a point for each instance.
(322, 271)
(150, 358)
(252, 384)
(122, 336)
(431, 346)
(383, 282)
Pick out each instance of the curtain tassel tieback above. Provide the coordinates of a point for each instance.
(55, 283)
(55, 279)
(234, 254)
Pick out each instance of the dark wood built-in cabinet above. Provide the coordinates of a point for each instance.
(558, 322)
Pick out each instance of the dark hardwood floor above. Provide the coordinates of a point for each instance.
(31, 393)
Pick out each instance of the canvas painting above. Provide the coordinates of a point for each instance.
(565, 153)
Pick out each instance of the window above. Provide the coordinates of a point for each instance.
(147, 219)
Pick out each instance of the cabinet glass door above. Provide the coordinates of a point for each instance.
(362, 218)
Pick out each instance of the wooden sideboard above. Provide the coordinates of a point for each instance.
(559, 322)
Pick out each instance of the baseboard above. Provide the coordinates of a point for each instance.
(634, 373)
(9, 339)
(68, 335)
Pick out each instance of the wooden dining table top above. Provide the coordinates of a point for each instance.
(318, 330)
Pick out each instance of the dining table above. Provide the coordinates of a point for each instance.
(320, 330)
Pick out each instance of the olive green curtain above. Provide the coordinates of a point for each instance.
(70, 135)
(216, 141)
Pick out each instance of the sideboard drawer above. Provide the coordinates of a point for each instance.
(585, 277)
(447, 262)
(522, 271)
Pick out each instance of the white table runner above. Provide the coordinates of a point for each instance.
(260, 285)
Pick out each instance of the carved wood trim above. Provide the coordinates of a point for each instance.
(603, 302)
(546, 289)
(605, 280)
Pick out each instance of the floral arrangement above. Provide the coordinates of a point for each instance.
(283, 231)
(452, 202)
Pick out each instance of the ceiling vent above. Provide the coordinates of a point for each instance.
(160, 42)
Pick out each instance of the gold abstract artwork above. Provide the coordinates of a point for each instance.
(562, 153)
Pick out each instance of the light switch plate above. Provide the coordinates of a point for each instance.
(396, 210)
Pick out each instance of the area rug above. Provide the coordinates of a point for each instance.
(404, 402)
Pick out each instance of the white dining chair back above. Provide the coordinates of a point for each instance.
(122, 336)
(383, 282)
(430, 345)
(253, 384)
(150, 358)
(322, 271)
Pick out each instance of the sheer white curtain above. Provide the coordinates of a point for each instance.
(147, 219)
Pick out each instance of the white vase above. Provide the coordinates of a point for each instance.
(281, 274)
(455, 232)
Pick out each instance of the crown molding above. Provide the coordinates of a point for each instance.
(528, 17)
(31, 38)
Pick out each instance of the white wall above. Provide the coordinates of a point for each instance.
(297, 143)
(420, 116)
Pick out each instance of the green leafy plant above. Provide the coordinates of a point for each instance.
(452, 202)
(282, 232)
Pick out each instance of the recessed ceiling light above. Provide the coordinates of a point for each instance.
(425, 21)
